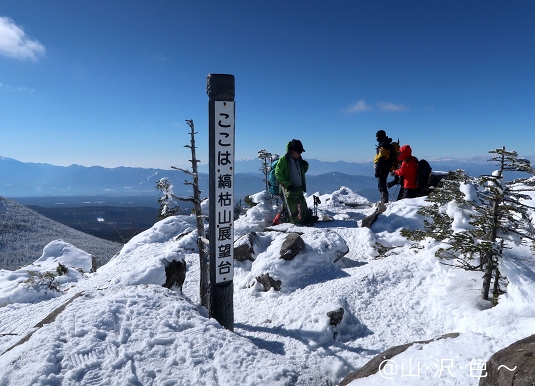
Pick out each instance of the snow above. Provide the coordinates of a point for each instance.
(119, 326)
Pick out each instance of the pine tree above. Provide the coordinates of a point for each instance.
(503, 217)
(168, 203)
(497, 213)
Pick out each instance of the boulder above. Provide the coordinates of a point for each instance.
(335, 316)
(511, 366)
(292, 245)
(243, 247)
(175, 273)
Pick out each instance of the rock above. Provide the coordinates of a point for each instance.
(268, 282)
(243, 247)
(372, 366)
(335, 316)
(292, 245)
(175, 274)
(368, 221)
(519, 358)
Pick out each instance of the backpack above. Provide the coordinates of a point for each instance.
(393, 157)
(273, 184)
(424, 174)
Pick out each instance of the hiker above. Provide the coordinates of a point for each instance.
(290, 172)
(382, 163)
(397, 179)
(409, 171)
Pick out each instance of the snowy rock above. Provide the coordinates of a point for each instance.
(67, 254)
(512, 366)
(335, 316)
(291, 246)
(258, 217)
(377, 363)
(243, 247)
(268, 282)
(319, 258)
(175, 274)
(60, 265)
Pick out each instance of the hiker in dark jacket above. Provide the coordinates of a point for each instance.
(290, 172)
(409, 171)
(382, 163)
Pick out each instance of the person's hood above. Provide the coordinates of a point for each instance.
(405, 152)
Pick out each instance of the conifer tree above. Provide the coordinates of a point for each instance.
(168, 204)
(503, 217)
(497, 212)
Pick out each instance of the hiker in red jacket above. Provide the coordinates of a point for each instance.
(409, 171)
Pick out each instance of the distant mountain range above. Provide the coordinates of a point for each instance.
(24, 179)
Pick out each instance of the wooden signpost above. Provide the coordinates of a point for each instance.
(220, 90)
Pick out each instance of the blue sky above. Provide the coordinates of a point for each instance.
(111, 83)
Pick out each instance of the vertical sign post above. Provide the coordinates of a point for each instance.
(220, 90)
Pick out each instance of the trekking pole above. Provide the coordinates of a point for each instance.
(397, 190)
(283, 189)
(316, 202)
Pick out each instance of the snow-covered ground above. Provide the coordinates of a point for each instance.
(121, 327)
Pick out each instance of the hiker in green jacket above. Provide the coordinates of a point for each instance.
(290, 172)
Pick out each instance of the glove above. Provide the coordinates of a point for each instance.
(376, 175)
(392, 173)
(390, 184)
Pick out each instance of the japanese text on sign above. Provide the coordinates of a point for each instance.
(224, 191)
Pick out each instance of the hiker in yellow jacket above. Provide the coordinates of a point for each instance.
(382, 163)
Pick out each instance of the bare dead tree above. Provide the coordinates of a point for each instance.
(202, 242)
(265, 158)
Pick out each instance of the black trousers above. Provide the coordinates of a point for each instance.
(381, 184)
(410, 193)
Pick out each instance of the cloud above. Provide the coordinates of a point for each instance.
(7, 88)
(15, 44)
(357, 107)
(385, 106)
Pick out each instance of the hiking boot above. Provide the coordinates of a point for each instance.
(384, 197)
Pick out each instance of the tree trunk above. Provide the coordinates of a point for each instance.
(491, 264)
(204, 259)
(487, 277)
(496, 287)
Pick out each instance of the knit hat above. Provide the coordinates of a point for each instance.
(381, 134)
(297, 146)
